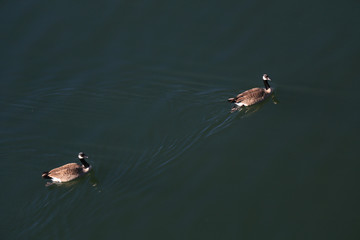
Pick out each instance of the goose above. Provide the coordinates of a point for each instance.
(68, 171)
(254, 95)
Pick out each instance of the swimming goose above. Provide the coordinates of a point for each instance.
(68, 171)
(254, 95)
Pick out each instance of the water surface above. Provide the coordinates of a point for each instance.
(141, 88)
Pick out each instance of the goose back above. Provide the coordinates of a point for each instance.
(67, 172)
(250, 96)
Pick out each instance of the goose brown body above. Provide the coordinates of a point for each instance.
(67, 172)
(254, 95)
(250, 96)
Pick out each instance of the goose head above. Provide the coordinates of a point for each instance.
(266, 77)
(82, 155)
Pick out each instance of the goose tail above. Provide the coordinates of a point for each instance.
(231, 100)
(45, 175)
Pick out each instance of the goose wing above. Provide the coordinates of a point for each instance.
(67, 172)
(255, 94)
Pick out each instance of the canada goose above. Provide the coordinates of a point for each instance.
(254, 95)
(68, 171)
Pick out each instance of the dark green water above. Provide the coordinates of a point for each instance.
(141, 87)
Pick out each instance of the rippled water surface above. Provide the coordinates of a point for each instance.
(141, 87)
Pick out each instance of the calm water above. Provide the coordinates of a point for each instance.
(141, 87)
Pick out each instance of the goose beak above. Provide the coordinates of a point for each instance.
(86, 156)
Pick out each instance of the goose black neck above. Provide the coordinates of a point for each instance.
(266, 83)
(82, 160)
